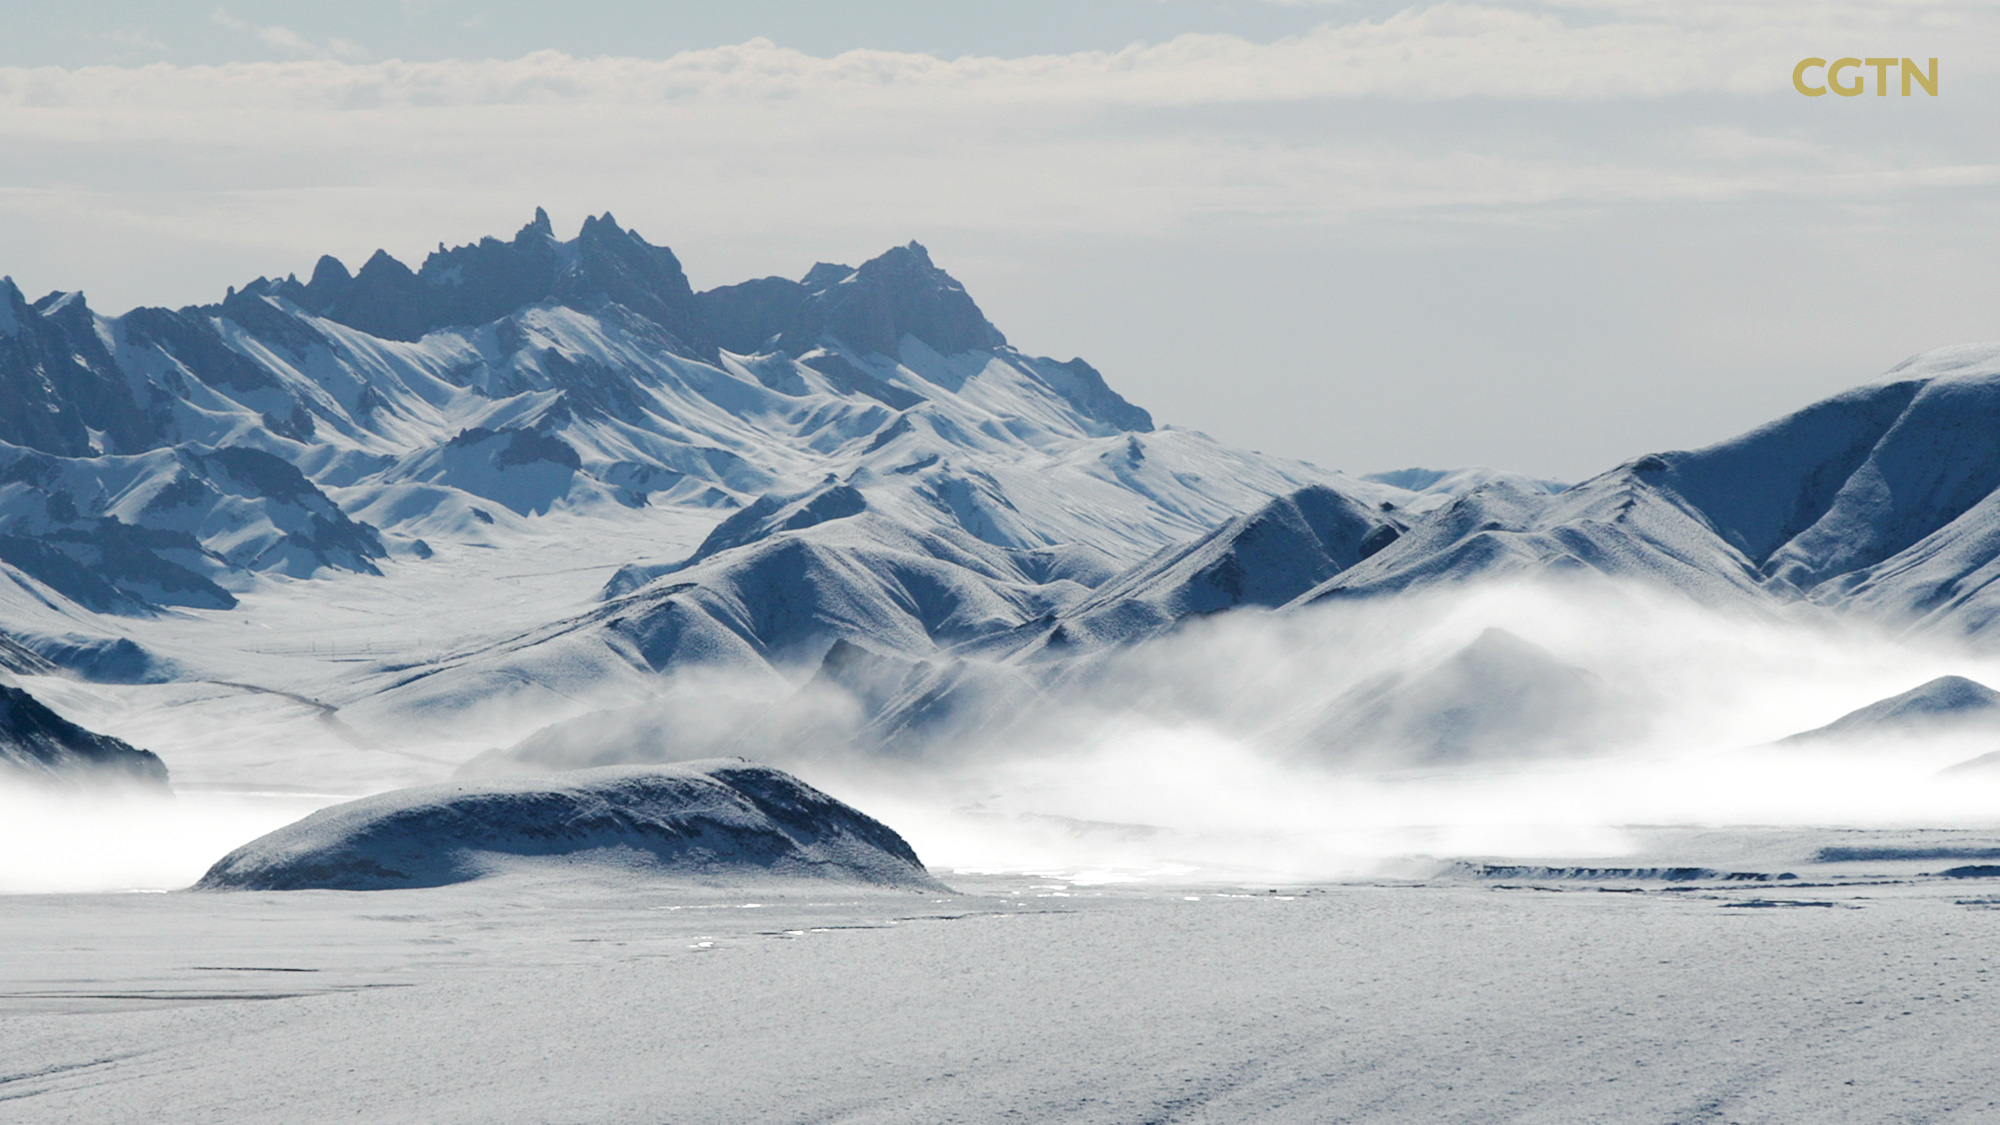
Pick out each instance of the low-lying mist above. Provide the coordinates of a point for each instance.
(1536, 720)
(58, 841)
(1379, 737)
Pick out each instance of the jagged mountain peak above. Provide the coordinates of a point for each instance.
(63, 303)
(482, 282)
(824, 274)
(869, 309)
(14, 308)
(60, 388)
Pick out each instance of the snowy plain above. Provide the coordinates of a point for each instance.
(1862, 994)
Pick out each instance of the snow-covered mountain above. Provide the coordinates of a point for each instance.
(547, 474)
(883, 464)
(1880, 500)
(531, 374)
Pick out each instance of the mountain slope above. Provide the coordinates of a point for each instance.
(1946, 705)
(39, 745)
(1262, 558)
(1884, 500)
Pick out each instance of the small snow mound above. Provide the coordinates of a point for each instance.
(721, 820)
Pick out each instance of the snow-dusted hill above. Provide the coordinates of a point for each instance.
(718, 821)
(1880, 500)
(1947, 705)
(1498, 697)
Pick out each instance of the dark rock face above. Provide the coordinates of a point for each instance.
(478, 284)
(40, 745)
(716, 821)
(749, 318)
(53, 525)
(1083, 386)
(900, 293)
(619, 267)
(58, 382)
(868, 309)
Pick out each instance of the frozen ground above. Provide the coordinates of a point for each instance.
(1862, 990)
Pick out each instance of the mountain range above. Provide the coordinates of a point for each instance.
(850, 479)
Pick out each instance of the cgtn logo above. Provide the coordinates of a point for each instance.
(1927, 78)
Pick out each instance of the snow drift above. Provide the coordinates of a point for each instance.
(718, 821)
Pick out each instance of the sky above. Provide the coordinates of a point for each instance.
(1541, 236)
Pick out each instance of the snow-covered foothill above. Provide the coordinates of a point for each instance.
(1947, 705)
(1499, 697)
(1263, 558)
(716, 821)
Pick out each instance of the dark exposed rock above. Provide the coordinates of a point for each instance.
(41, 745)
(473, 285)
(58, 382)
(868, 309)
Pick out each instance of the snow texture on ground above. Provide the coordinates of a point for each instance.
(1863, 990)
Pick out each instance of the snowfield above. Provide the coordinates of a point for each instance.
(1859, 991)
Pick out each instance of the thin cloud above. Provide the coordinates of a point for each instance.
(1441, 52)
(287, 42)
(132, 35)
